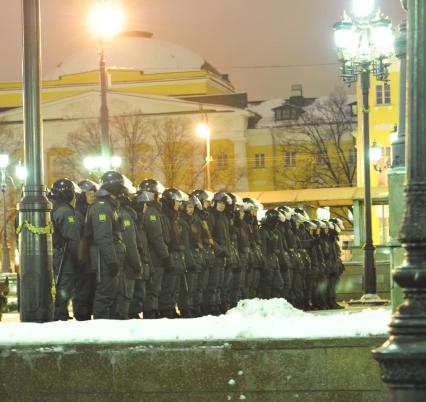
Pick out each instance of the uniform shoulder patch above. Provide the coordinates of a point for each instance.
(102, 217)
(71, 219)
(152, 218)
(127, 223)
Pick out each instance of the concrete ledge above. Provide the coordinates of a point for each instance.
(262, 370)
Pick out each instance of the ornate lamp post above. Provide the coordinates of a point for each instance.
(106, 21)
(364, 46)
(203, 130)
(35, 244)
(402, 357)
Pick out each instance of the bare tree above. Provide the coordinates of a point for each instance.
(131, 137)
(177, 156)
(319, 147)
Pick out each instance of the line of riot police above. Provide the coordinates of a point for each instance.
(151, 252)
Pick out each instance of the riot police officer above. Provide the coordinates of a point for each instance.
(138, 303)
(271, 281)
(86, 279)
(66, 236)
(206, 276)
(158, 236)
(285, 259)
(194, 258)
(132, 262)
(336, 226)
(240, 243)
(219, 228)
(107, 251)
(320, 283)
(175, 273)
(251, 288)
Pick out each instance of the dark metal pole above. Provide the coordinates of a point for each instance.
(403, 357)
(398, 146)
(105, 138)
(35, 247)
(369, 263)
(5, 260)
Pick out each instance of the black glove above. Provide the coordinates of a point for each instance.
(137, 269)
(113, 269)
(192, 268)
(166, 262)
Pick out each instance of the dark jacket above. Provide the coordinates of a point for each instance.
(66, 230)
(133, 263)
(219, 228)
(157, 233)
(106, 230)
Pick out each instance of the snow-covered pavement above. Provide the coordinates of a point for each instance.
(251, 319)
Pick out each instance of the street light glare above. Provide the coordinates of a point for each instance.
(375, 152)
(106, 19)
(382, 38)
(115, 162)
(202, 130)
(363, 8)
(4, 161)
(21, 172)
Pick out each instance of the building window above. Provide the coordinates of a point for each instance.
(259, 161)
(321, 158)
(352, 156)
(290, 158)
(222, 160)
(287, 113)
(383, 94)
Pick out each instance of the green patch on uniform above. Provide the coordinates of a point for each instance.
(71, 219)
(127, 223)
(102, 218)
(152, 218)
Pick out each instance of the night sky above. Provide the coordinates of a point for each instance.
(264, 45)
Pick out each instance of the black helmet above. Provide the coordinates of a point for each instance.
(141, 198)
(251, 204)
(88, 185)
(195, 202)
(64, 189)
(170, 195)
(272, 217)
(203, 195)
(221, 196)
(338, 224)
(286, 211)
(151, 185)
(113, 182)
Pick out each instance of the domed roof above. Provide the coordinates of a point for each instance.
(150, 55)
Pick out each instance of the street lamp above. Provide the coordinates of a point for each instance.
(365, 46)
(98, 164)
(106, 20)
(5, 260)
(203, 131)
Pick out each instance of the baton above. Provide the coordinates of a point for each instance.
(61, 264)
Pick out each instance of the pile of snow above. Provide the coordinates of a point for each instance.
(251, 319)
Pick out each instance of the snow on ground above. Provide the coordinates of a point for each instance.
(251, 319)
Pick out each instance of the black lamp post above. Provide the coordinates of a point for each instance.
(106, 21)
(35, 242)
(402, 357)
(364, 47)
